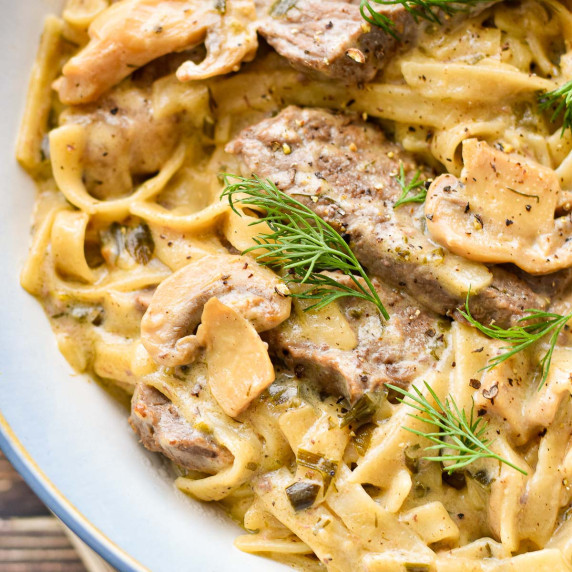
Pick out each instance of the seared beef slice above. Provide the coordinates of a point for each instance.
(161, 428)
(332, 38)
(394, 352)
(345, 170)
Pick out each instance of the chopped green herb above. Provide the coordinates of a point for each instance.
(87, 313)
(407, 188)
(302, 495)
(364, 408)
(457, 480)
(318, 463)
(362, 437)
(420, 490)
(535, 197)
(139, 243)
(411, 455)
(481, 477)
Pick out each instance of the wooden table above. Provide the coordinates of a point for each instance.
(31, 539)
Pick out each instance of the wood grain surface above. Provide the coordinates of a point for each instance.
(31, 540)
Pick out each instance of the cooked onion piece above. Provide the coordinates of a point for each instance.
(501, 209)
(131, 33)
(237, 359)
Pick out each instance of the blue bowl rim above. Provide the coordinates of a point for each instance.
(59, 504)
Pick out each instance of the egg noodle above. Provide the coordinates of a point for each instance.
(100, 249)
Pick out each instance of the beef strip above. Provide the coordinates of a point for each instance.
(556, 287)
(387, 352)
(162, 429)
(333, 39)
(345, 170)
(549, 285)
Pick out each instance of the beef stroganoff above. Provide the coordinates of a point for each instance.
(323, 249)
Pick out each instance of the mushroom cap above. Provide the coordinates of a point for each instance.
(169, 324)
(501, 209)
(131, 33)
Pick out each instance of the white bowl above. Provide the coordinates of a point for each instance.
(68, 438)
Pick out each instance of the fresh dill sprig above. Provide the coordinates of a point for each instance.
(382, 21)
(407, 188)
(520, 337)
(456, 431)
(431, 10)
(560, 100)
(301, 243)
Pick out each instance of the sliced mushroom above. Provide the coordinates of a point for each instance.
(501, 209)
(168, 326)
(229, 41)
(237, 359)
(131, 33)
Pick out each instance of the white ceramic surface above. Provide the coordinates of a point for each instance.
(71, 441)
